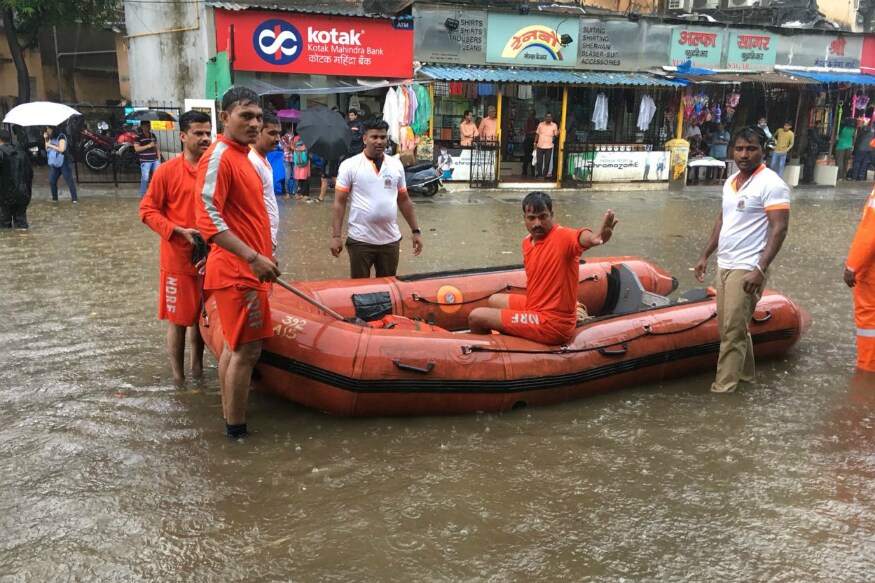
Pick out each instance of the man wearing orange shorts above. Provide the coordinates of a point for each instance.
(551, 255)
(168, 209)
(231, 213)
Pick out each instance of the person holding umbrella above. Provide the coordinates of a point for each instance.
(374, 185)
(56, 141)
(326, 135)
(231, 214)
(149, 154)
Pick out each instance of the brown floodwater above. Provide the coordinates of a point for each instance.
(111, 473)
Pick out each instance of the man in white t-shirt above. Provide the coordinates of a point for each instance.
(375, 187)
(748, 235)
(267, 141)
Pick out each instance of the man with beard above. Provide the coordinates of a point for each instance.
(168, 209)
(231, 214)
(551, 255)
(373, 183)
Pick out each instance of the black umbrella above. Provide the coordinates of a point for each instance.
(149, 115)
(324, 132)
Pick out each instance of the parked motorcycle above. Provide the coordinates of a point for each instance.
(97, 150)
(422, 178)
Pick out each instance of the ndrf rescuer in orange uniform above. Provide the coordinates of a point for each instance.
(168, 209)
(231, 213)
(860, 275)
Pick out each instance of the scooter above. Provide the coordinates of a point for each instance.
(422, 178)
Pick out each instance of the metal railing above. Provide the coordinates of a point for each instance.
(484, 164)
(101, 140)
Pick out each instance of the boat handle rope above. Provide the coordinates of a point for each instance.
(418, 298)
(762, 320)
(605, 349)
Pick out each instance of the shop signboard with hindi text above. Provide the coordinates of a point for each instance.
(824, 51)
(288, 42)
(702, 46)
(532, 40)
(449, 36)
(751, 50)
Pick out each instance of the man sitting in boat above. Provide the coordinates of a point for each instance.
(551, 256)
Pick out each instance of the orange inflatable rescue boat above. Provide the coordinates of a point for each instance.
(416, 357)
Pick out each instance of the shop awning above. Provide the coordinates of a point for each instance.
(313, 85)
(548, 76)
(768, 78)
(853, 78)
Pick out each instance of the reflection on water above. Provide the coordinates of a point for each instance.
(110, 473)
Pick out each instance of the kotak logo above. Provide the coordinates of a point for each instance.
(277, 42)
(334, 36)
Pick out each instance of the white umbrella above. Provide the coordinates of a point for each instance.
(39, 113)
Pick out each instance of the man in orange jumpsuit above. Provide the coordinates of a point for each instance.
(231, 213)
(551, 255)
(168, 209)
(860, 275)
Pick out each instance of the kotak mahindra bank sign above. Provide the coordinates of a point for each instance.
(280, 42)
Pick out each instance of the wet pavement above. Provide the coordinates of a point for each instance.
(111, 473)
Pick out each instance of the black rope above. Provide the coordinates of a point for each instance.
(648, 331)
(506, 288)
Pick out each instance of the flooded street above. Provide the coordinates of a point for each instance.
(111, 473)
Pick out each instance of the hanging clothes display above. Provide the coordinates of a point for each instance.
(355, 103)
(731, 105)
(645, 113)
(524, 92)
(422, 115)
(390, 113)
(411, 110)
(600, 113)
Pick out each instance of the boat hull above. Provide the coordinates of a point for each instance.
(350, 370)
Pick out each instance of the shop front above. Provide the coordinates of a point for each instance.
(298, 60)
(526, 68)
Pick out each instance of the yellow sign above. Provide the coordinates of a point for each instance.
(161, 125)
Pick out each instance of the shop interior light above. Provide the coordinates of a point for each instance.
(451, 24)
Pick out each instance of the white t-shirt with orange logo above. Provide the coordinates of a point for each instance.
(373, 198)
(745, 224)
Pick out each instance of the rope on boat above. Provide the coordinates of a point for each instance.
(505, 289)
(647, 330)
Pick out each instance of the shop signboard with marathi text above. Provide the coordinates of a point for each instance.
(824, 51)
(287, 42)
(449, 36)
(751, 50)
(702, 46)
(532, 41)
(610, 45)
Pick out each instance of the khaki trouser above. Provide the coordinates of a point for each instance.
(734, 311)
